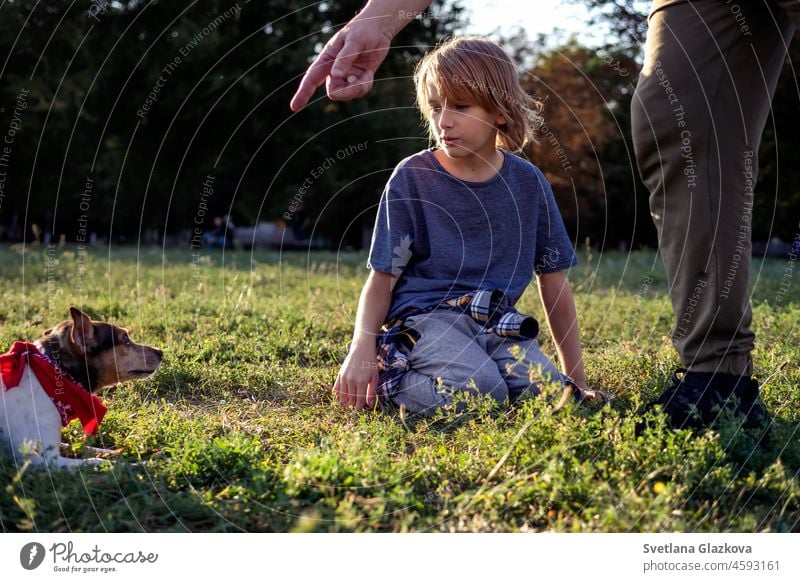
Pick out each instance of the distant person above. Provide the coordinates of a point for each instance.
(229, 231)
(698, 113)
(216, 238)
(460, 232)
(299, 222)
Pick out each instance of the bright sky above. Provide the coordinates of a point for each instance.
(542, 16)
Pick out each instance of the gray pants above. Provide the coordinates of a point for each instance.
(452, 354)
(698, 113)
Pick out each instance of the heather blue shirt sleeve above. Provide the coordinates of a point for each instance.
(554, 250)
(393, 236)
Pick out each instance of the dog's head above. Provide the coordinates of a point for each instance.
(98, 354)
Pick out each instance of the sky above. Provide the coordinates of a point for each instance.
(542, 16)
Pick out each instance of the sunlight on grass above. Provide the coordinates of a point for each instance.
(238, 431)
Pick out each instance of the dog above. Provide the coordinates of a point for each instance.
(46, 384)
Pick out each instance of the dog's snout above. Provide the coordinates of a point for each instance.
(149, 353)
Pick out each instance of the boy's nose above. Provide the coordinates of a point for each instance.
(445, 120)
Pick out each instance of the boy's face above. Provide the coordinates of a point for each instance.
(463, 129)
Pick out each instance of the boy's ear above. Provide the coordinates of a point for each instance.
(501, 120)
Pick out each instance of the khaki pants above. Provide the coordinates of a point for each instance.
(698, 113)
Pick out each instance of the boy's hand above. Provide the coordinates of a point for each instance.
(358, 379)
(590, 395)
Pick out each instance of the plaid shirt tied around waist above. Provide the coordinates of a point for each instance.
(490, 307)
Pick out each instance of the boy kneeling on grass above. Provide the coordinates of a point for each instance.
(461, 229)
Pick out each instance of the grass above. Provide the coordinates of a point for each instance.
(237, 431)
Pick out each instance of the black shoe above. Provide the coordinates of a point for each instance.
(687, 402)
(697, 399)
(743, 392)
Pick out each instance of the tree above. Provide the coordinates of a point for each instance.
(776, 209)
(626, 21)
(134, 108)
(584, 146)
(777, 200)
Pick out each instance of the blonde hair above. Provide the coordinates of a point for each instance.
(475, 70)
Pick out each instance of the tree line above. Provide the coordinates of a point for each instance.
(138, 120)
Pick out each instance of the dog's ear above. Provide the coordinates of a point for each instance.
(83, 332)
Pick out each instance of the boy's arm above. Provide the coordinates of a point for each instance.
(562, 318)
(358, 376)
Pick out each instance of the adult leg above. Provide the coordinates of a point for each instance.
(446, 359)
(698, 114)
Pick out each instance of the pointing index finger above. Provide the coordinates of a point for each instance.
(314, 77)
(316, 74)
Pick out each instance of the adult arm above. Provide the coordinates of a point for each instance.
(358, 376)
(356, 51)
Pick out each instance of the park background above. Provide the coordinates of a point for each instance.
(129, 127)
(142, 104)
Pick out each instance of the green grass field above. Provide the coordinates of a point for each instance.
(237, 431)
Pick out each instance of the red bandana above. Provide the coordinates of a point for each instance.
(71, 399)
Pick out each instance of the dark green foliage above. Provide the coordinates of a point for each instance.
(148, 99)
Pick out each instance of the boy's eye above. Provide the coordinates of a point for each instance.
(458, 107)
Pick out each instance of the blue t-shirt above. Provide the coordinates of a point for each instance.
(444, 237)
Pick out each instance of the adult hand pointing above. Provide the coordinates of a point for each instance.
(349, 60)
